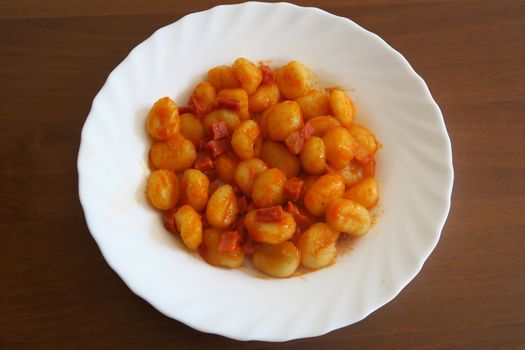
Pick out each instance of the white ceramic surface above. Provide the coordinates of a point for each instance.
(414, 169)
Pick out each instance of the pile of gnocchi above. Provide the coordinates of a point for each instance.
(262, 164)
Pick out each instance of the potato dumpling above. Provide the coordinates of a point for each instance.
(277, 260)
(340, 147)
(177, 154)
(203, 98)
(195, 187)
(265, 96)
(352, 173)
(294, 80)
(282, 119)
(277, 155)
(317, 246)
(268, 188)
(313, 156)
(246, 173)
(230, 118)
(326, 189)
(210, 253)
(271, 232)
(367, 144)
(322, 124)
(163, 189)
(347, 216)
(314, 104)
(342, 107)
(239, 95)
(225, 165)
(365, 192)
(248, 74)
(163, 119)
(243, 139)
(222, 207)
(189, 225)
(192, 128)
(223, 77)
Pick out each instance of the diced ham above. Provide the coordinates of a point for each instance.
(217, 147)
(292, 188)
(270, 214)
(295, 142)
(169, 221)
(268, 75)
(307, 131)
(296, 235)
(239, 226)
(249, 245)
(344, 239)
(236, 190)
(242, 204)
(230, 242)
(302, 220)
(198, 107)
(203, 161)
(331, 169)
(369, 168)
(186, 109)
(205, 222)
(218, 130)
(228, 103)
(251, 207)
(214, 185)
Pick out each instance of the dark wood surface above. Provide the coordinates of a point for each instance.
(57, 291)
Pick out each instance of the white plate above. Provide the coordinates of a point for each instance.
(414, 169)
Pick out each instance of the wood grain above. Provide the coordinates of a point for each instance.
(56, 290)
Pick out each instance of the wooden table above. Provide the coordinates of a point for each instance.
(58, 292)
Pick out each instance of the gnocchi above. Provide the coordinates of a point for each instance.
(366, 192)
(317, 246)
(222, 207)
(236, 99)
(229, 117)
(209, 250)
(313, 156)
(265, 96)
(247, 74)
(195, 186)
(340, 146)
(163, 119)
(268, 188)
(223, 77)
(277, 155)
(192, 129)
(243, 139)
(346, 216)
(272, 232)
(163, 189)
(264, 163)
(225, 165)
(246, 173)
(326, 189)
(314, 104)
(342, 107)
(189, 225)
(282, 119)
(277, 260)
(177, 154)
(294, 80)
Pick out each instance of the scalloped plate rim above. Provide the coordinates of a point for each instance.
(400, 286)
